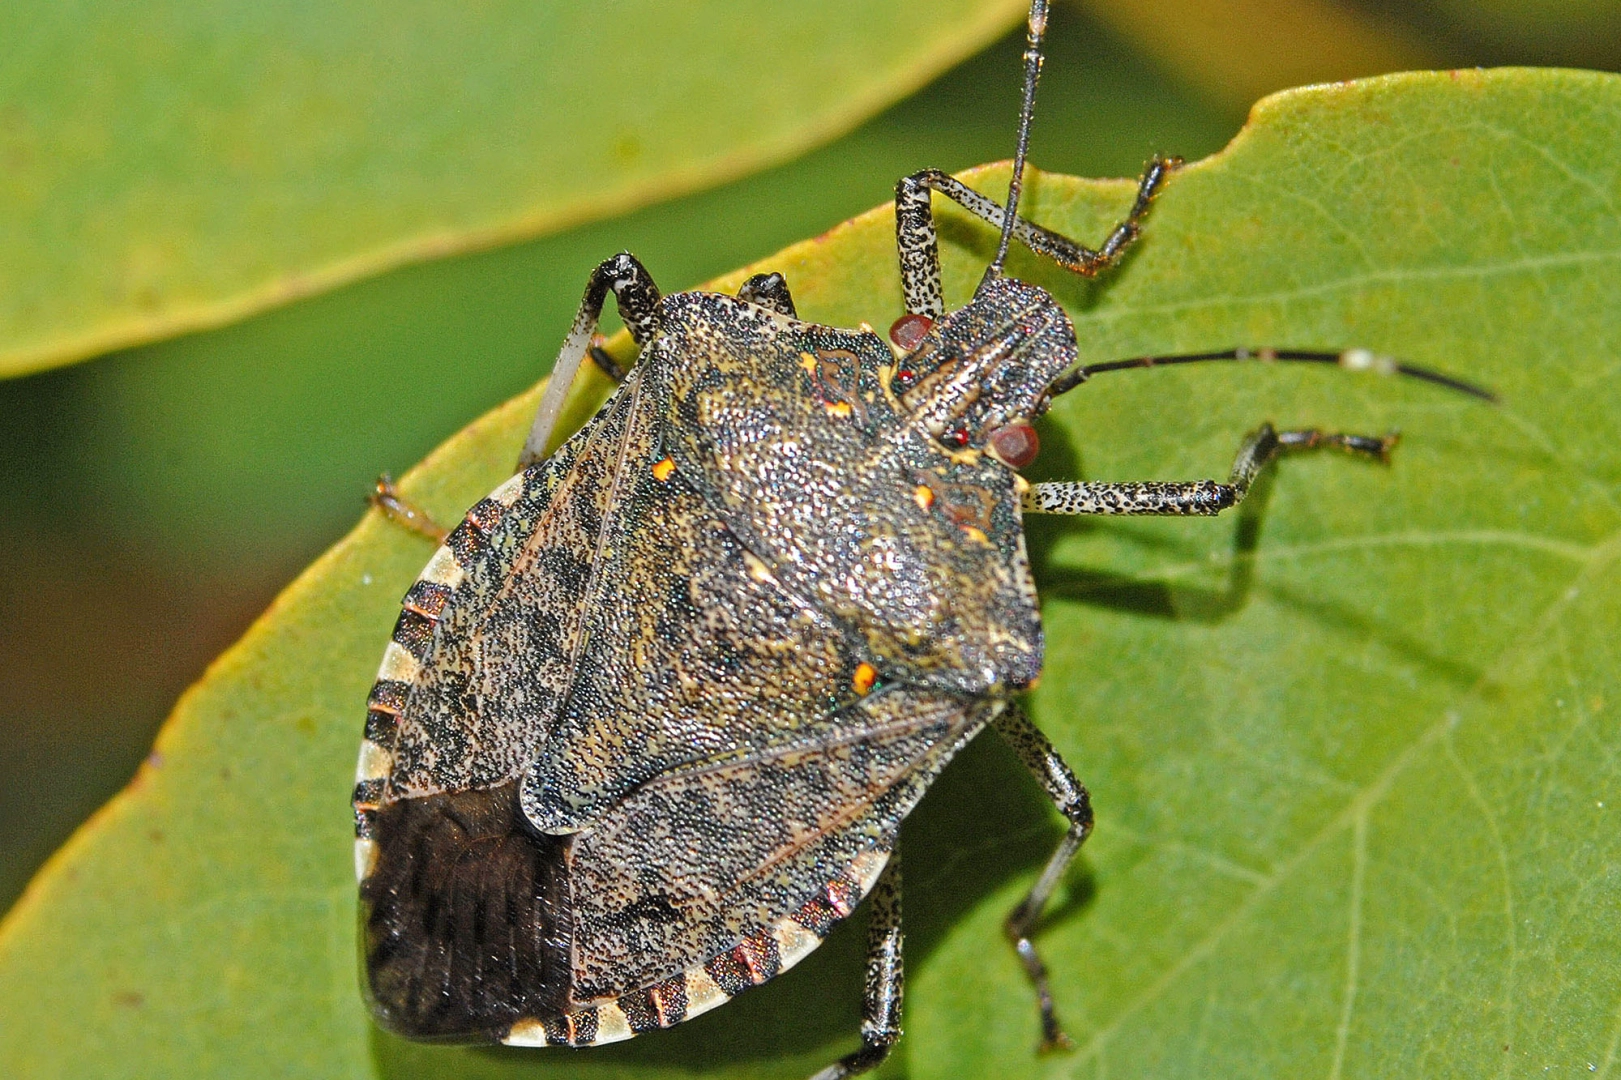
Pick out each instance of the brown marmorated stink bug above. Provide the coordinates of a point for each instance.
(653, 713)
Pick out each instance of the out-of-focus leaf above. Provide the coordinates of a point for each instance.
(1573, 33)
(173, 165)
(1354, 753)
(1235, 51)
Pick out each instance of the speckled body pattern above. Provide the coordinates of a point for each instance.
(621, 760)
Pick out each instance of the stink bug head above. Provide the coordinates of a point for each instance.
(989, 364)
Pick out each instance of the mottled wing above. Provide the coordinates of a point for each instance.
(696, 653)
(465, 912)
(512, 584)
(699, 863)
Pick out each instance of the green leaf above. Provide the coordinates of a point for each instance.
(1354, 753)
(203, 161)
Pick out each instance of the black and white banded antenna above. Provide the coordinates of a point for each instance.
(1349, 359)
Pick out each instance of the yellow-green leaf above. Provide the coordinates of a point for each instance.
(173, 165)
(1355, 752)
(1234, 51)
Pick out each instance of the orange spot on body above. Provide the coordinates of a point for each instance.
(663, 469)
(866, 675)
(923, 495)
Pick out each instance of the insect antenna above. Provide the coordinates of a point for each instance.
(1032, 72)
(1350, 359)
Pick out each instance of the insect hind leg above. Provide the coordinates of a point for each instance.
(1199, 497)
(637, 298)
(1070, 796)
(886, 978)
(917, 242)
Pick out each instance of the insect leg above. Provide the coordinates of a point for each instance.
(638, 300)
(1072, 800)
(1198, 497)
(919, 250)
(409, 514)
(769, 291)
(886, 977)
(607, 364)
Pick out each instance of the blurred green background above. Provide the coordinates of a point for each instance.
(157, 498)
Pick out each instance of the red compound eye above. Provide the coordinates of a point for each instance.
(908, 330)
(957, 437)
(1016, 444)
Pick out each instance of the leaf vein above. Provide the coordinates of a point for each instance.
(1367, 797)
(1208, 301)
(1353, 942)
(1488, 815)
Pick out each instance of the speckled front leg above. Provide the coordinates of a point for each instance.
(638, 301)
(1072, 800)
(886, 977)
(919, 248)
(1197, 497)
